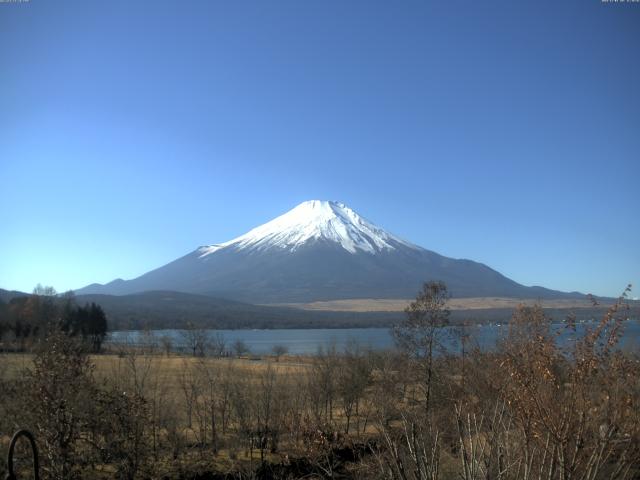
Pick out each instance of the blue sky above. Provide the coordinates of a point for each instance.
(507, 132)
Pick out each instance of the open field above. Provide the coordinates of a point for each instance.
(143, 370)
(399, 304)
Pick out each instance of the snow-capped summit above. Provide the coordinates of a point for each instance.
(314, 220)
(318, 251)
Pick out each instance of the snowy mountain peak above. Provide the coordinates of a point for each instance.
(315, 220)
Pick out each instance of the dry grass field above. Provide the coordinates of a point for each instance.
(140, 412)
(175, 387)
(399, 304)
(169, 369)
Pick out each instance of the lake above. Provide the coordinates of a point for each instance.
(308, 341)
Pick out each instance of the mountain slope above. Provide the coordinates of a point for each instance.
(319, 251)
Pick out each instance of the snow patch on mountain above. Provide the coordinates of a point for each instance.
(315, 220)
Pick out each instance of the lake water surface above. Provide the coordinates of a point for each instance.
(308, 341)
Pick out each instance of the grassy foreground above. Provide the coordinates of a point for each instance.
(528, 410)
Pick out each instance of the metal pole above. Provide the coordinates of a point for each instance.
(22, 433)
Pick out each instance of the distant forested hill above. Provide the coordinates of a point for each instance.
(164, 309)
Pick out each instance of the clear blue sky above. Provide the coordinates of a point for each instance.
(507, 132)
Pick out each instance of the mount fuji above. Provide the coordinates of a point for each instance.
(319, 250)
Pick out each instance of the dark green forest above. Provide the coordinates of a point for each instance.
(27, 319)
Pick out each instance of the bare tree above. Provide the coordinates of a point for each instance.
(575, 410)
(240, 348)
(279, 350)
(412, 453)
(353, 378)
(167, 344)
(218, 345)
(190, 389)
(419, 334)
(322, 384)
(119, 426)
(61, 390)
(196, 339)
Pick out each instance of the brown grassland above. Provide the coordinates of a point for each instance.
(399, 304)
(528, 409)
